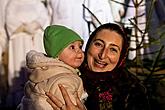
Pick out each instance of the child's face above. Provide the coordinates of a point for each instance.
(73, 54)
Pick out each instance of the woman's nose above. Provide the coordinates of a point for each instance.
(103, 53)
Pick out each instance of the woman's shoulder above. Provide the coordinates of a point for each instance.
(130, 80)
(132, 90)
(124, 73)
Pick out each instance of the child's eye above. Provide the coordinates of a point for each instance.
(72, 47)
(81, 46)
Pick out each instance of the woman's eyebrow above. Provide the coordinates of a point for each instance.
(115, 46)
(99, 40)
(104, 43)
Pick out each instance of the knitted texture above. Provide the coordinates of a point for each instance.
(57, 37)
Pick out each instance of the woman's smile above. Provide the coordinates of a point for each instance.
(99, 63)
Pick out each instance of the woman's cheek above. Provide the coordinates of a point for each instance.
(90, 56)
(90, 61)
(114, 59)
(92, 52)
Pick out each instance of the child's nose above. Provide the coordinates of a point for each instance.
(78, 50)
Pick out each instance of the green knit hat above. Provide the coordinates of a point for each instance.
(57, 37)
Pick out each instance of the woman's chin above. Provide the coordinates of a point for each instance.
(101, 69)
(98, 69)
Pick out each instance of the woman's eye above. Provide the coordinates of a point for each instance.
(113, 50)
(98, 44)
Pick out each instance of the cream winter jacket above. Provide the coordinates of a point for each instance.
(46, 74)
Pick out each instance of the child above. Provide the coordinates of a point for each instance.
(59, 66)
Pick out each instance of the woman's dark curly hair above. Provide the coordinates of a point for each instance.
(112, 27)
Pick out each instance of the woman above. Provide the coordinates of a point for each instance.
(108, 85)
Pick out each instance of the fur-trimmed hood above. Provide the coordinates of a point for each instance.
(45, 67)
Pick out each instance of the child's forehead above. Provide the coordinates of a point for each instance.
(77, 42)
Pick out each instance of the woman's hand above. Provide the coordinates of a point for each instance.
(58, 105)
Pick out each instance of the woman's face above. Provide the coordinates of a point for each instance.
(104, 51)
